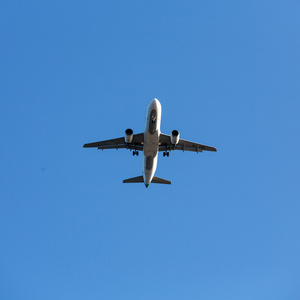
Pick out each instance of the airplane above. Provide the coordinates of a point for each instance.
(150, 142)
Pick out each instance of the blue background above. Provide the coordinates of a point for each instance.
(227, 75)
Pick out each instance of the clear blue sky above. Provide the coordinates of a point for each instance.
(227, 74)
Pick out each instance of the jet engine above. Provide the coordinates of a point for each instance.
(128, 136)
(175, 137)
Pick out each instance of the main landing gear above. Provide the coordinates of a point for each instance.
(135, 152)
(166, 154)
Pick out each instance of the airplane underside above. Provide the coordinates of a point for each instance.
(150, 142)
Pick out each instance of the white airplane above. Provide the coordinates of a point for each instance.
(150, 142)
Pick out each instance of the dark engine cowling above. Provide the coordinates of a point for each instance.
(175, 137)
(128, 136)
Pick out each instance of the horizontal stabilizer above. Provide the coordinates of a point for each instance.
(140, 179)
(134, 179)
(160, 180)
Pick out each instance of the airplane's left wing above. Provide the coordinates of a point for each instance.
(166, 145)
(119, 143)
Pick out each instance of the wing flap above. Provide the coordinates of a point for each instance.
(112, 142)
(131, 147)
(183, 145)
(119, 143)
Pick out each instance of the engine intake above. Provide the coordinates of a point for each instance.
(128, 136)
(175, 137)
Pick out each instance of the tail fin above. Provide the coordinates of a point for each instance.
(141, 179)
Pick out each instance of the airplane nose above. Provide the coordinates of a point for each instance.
(156, 103)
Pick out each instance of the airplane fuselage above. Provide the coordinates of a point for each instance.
(151, 140)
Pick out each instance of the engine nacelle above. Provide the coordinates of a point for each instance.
(128, 136)
(175, 137)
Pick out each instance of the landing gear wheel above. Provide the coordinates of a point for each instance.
(135, 152)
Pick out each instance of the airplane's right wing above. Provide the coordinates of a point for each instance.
(166, 145)
(119, 143)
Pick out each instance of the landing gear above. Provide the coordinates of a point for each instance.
(135, 152)
(166, 154)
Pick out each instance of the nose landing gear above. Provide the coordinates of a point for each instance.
(135, 152)
(166, 154)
